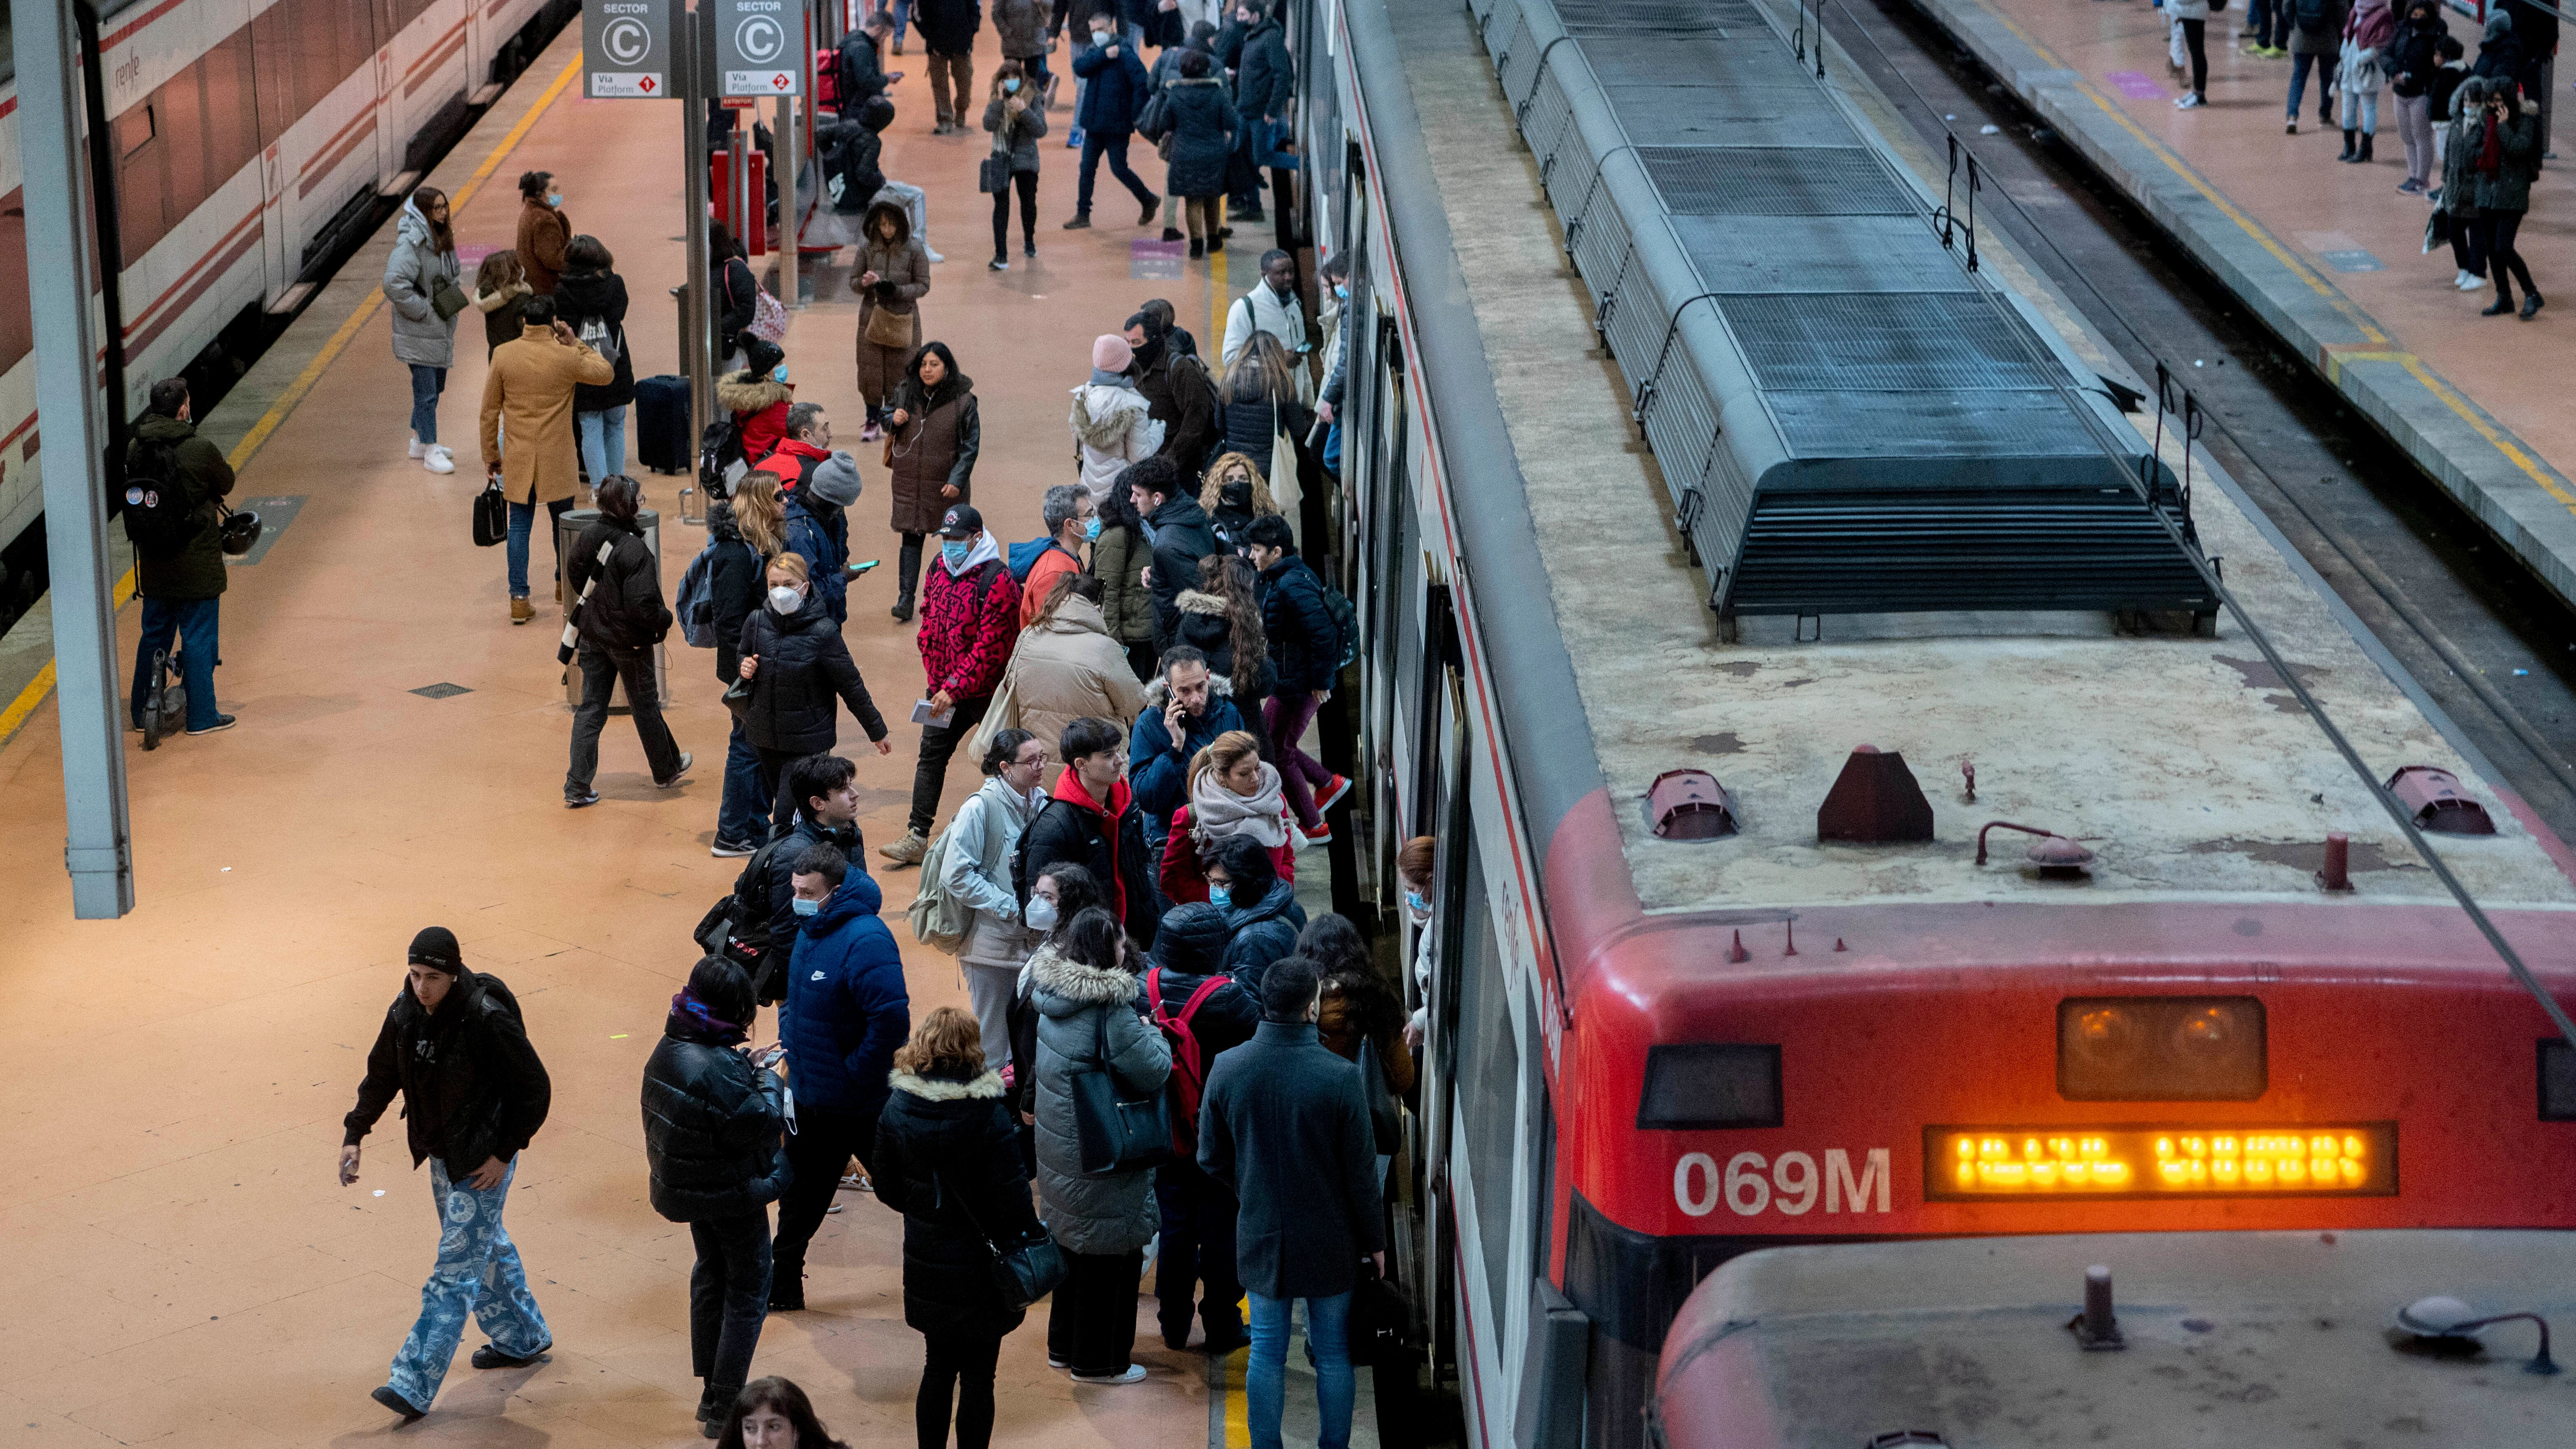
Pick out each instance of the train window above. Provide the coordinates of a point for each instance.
(135, 130)
(1711, 1085)
(1488, 1081)
(2557, 1082)
(2160, 1049)
(179, 113)
(232, 128)
(17, 333)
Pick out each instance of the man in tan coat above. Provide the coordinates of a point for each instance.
(530, 389)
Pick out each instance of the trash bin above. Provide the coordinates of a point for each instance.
(571, 527)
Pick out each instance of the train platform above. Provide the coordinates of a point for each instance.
(177, 1077)
(2328, 256)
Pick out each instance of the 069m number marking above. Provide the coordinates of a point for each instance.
(1752, 1185)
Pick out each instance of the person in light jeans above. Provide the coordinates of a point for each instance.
(591, 299)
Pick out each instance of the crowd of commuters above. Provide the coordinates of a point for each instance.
(1138, 685)
(2474, 124)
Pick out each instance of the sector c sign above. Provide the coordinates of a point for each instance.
(626, 49)
(756, 47)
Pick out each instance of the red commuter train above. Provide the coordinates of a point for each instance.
(1850, 1017)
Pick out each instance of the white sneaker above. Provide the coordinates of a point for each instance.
(2191, 101)
(416, 449)
(2469, 282)
(1135, 1374)
(934, 257)
(438, 459)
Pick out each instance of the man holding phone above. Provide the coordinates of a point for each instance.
(528, 394)
(474, 1093)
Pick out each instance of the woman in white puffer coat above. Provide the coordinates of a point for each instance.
(1111, 425)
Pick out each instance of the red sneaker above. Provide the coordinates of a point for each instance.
(1332, 793)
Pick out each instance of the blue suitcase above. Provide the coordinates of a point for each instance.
(662, 434)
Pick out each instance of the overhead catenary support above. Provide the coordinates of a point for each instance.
(96, 848)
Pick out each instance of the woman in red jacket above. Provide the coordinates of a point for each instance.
(1233, 791)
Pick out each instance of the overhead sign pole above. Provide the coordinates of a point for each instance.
(697, 91)
(96, 847)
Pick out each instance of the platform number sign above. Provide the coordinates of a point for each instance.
(626, 49)
(756, 47)
(1792, 1184)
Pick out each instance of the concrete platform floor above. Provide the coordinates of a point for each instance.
(188, 1271)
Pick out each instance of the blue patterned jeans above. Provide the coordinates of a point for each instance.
(478, 1272)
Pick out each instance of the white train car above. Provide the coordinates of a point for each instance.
(249, 136)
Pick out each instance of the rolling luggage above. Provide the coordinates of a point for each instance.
(662, 434)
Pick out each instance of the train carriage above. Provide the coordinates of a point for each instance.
(2018, 892)
(252, 137)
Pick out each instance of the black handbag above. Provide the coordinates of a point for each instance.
(491, 515)
(1116, 1133)
(1026, 1268)
(1385, 1122)
(1379, 1316)
(737, 697)
(994, 176)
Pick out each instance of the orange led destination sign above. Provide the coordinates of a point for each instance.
(1983, 1163)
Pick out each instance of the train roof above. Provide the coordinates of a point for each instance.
(2178, 758)
(2272, 1338)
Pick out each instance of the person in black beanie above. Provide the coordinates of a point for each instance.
(473, 1094)
(714, 1142)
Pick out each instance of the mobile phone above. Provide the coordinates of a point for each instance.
(857, 569)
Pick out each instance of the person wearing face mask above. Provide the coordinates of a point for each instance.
(713, 1152)
(982, 838)
(773, 1413)
(1202, 1013)
(1177, 391)
(1059, 893)
(1263, 415)
(935, 431)
(621, 616)
(1016, 118)
(1233, 791)
(826, 794)
(1336, 273)
(1118, 559)
(1413, 867)
(1068, 513)
(1265, 86)
(2414, 59)
(1115, 89)
(1234, 496)
(798, 669)
(1305, 659)
(1261, 910)
(1270, 306)
(1065, 667)
(757, 398)
(816, 485)
(846, 1012)
(544, 231)
(1113, 425)
(1194, 114)
(970, 617)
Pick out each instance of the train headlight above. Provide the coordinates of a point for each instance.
(1711, 1084)
(2160, 1049)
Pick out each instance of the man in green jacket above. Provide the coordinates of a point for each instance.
(182, 590)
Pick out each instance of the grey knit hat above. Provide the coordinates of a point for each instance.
(836, 480)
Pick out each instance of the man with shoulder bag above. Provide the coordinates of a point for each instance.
(618, 617)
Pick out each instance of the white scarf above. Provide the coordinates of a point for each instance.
(1217, 812)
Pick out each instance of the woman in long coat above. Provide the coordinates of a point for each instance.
(892, 274)
(424, 255)
(1204, 127)
(934, 435)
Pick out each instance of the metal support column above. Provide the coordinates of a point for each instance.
(96, 847)
(689, 46)
(791, 158)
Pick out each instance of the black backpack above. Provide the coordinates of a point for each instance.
(718, 451)
(736, 927)
(158, 518)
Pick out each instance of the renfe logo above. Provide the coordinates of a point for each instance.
(1790, 1185)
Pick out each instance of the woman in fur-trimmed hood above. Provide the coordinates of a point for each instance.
(1084, 989)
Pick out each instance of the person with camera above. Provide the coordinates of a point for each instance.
(181, 583)
(621, 617)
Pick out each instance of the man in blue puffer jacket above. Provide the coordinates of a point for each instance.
(1115, 88)
(846, 1012)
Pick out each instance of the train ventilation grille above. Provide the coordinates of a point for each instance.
(1597, 18)
(1879, 342)
(2028, 424)
(1773, 181)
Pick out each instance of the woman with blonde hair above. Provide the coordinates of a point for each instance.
(1234, 494)
(948, 1159)
(1233, 791)
(745, 531)
(1260, 417)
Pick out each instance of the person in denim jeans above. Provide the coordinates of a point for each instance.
(182, 588)
(1285, 1124)
(453, 1044)
(530, 390)
(591, 299)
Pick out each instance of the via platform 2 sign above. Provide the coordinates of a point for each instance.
(626, 49)
(759, 47)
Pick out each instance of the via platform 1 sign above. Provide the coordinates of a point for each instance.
(626, 49)
(758, 47)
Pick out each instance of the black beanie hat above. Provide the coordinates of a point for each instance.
(436, 946)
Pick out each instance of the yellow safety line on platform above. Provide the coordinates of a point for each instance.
(2530, 467)
(1238, 1428)
(287, 401)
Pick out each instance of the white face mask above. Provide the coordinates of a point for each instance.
(1041, 914)
(784, 599)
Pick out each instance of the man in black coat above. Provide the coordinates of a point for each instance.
(861, 75)
(1305, 658)
(1203, 1013)
(621, 618)
(713, 1141)
(473, 1095)
(1183, 534)
(1178, 394)
(1285, 1124)
(1255, 48)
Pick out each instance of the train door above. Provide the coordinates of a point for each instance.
(273, 88)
